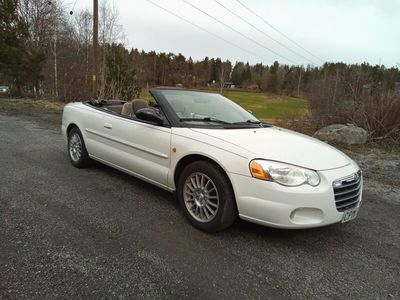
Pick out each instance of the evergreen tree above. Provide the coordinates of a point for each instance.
(237, 73)
(272, 85)
(19, 63)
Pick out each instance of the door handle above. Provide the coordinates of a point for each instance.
(107, 125)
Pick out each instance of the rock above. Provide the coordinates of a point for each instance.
(346, 134)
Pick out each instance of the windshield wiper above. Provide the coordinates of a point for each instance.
(256, 122)
(248, 122)
(206, 119)
(266, 124)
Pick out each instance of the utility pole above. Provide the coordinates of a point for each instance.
(95, 45)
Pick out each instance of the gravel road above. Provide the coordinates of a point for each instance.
(98, 233)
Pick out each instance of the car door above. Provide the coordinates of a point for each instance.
(92, 127)
(138, 147)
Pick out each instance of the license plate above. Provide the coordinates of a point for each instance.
(349, 214)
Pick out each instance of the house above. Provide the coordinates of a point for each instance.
(229, 85)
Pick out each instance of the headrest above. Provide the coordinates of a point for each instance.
(138, 104)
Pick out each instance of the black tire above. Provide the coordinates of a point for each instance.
(82, 160)
(226, 212)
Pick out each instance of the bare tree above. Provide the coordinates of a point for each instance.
(84, 31)
(299, 83)
(37, 14)
(224, 74)
(110, 32)
(38, 17)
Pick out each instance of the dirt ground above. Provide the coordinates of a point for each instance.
(45, 112)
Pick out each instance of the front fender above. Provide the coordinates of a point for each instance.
(230, 160)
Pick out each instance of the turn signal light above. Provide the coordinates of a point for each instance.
(257, 171)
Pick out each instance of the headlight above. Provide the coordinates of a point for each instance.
(284, 174)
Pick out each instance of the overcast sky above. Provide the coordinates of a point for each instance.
(352, 31)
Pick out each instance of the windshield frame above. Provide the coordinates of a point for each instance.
(176, 121)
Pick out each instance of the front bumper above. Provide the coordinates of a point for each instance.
(271, 204)
(64, 132)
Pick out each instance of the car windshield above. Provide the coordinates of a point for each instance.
(210, 108)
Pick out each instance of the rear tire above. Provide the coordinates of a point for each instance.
(77, 150)
(206, 196)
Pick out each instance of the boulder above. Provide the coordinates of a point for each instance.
(346, 134)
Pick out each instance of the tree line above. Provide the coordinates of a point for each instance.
(47, 53)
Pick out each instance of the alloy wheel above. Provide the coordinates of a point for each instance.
(201, 198)
(75, 147)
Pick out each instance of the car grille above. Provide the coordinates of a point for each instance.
(347, 191)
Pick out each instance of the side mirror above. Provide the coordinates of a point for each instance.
(150, 115)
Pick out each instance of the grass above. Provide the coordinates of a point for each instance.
(145, 94)
(263, 106)
(6, 103)
(268, 106)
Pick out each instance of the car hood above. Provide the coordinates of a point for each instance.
(278, 144)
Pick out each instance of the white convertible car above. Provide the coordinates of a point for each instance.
(218, 158)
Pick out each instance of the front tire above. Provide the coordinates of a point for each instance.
(206, 196)
(77, 150)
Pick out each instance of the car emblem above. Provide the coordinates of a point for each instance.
(353, 177)
(349, 179)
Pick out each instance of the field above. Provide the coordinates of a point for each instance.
(268, 106)
(263, 106)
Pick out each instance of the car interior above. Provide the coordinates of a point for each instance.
(127, 108)
(130, 108)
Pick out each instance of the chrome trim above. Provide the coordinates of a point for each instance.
(349, 197)
(350, 191)
(348, 204)
(355, 176)
(347, 191)
(134, 146)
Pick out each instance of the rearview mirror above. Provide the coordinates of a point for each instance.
(150, 115)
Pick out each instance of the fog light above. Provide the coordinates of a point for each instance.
(306, 216)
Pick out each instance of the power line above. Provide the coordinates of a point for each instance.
(71, 12)
(238, 32)
(277, 30)
(263, 32)
(205, 30)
